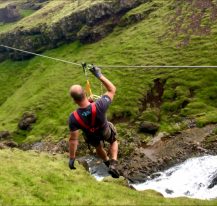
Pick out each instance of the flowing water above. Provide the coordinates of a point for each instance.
(195, 178)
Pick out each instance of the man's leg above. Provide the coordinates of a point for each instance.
(113, 161)
(101, 152)
(113, 150)
(110, 137)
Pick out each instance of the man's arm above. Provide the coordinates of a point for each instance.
(73, 143)
(111, 89)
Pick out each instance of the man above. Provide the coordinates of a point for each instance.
(91, 119)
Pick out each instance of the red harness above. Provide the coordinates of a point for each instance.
(91, 128)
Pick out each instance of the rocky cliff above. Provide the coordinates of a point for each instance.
(87, 25)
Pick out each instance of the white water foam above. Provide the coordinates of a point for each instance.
(97, 168)
(190, 179)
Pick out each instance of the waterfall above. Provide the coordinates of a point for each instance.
(194, 178)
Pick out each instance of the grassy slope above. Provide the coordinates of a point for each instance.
(52, 12)
(28, 178)
(42, 85)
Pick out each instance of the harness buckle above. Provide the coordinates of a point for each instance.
(93, 130)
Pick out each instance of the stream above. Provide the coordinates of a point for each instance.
(194, 178)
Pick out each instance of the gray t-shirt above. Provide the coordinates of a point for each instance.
(102, 105)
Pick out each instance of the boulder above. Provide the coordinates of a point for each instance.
(10, 143)
(148, 127)
(9, 14)
(4, 135)
(27, 120)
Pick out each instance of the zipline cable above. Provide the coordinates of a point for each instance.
(154, 67)
(40, 55)
(109, 66)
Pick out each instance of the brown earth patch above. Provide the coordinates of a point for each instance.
(165, 151)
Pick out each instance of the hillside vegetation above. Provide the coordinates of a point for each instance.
(104, 33)
(28, 178)
(51, 13)
(41, 85)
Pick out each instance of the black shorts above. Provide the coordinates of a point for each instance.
(108, 135)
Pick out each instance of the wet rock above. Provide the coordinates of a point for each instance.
(27, 120)
(168, 191)
(169, 173)
(214, 182)
(139, 178)
(4, 135)
(84, 163)
(9, 14)
(155, 175)
(187, 193)
(148, 127)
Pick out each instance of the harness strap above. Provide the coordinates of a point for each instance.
(93, 119)
(93, 112)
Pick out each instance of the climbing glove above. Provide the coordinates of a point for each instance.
(96, 71)
(71, 164)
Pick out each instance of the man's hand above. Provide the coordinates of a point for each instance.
(71, 164)
(96, 71)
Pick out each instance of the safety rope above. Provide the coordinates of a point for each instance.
(109, 66)
(88, 90)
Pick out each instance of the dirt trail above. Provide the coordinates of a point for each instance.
(170, 145)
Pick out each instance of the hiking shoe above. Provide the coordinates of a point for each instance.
(107, 163)
(112, 169)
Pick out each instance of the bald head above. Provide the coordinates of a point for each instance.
(77, 93)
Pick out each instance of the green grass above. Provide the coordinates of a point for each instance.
(6, 26)
(41, 85)
(26, 12)
(29, 178)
